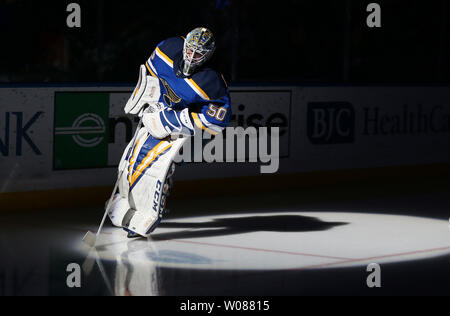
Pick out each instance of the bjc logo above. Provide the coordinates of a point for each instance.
(331, 123)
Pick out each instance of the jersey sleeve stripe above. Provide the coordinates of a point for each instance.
(151, 69)
(224, 81)
(199, 124)
(210, 125)
(164, 57)
(197, 89)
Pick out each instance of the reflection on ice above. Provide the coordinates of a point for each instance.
(263, 242)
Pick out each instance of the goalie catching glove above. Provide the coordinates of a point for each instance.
(146, 93)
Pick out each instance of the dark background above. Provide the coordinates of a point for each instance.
(271, 41)
(304, 42)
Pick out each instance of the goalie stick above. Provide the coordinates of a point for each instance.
(90, 238)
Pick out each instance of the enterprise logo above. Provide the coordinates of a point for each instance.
(87, 130)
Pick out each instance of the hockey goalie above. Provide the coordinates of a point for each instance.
(174, 94)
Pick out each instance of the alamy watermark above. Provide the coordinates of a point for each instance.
(374, 278)
(374, 18)
(74, 17)
(235, 144)
(73, 279)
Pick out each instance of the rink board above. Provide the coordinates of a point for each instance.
(54, 138)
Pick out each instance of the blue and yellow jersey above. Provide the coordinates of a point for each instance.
(205, 93)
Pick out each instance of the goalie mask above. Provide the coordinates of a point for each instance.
(199, 46)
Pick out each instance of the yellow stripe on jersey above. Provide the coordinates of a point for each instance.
(164, 56)
(199, 89)
(200, 124)
(150, 70)
(224, 81)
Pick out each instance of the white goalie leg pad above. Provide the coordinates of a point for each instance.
(147, 193)
(129, 151)
(119, 207)
(147, 91)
